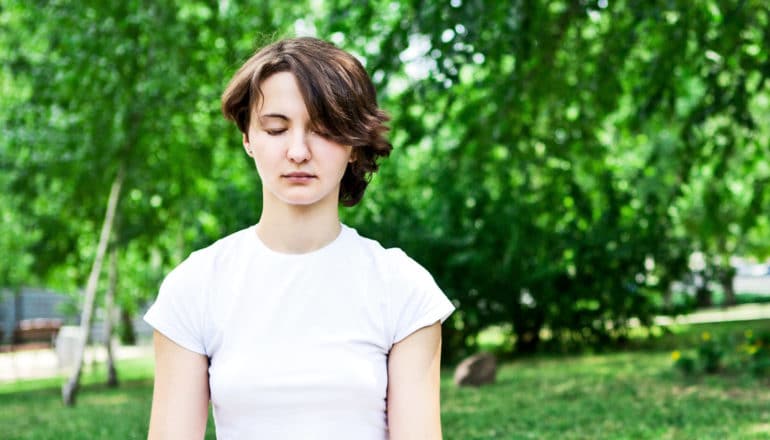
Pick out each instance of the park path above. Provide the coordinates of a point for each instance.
(743, 312)
(41, 363)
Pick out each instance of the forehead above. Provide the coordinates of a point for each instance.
(280, 94)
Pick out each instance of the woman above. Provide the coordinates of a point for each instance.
(297, 327)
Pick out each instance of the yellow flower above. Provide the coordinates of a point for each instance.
(675, 355)
(748, 333)
(752, 349)
(705, 336)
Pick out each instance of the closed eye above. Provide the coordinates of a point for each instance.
(275, 132)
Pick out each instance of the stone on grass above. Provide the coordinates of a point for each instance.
(477, 370)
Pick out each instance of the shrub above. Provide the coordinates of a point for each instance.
(710, 354)
(683, 363)
(749, 352)
(756, 350)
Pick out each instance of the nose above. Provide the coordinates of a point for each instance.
(299, 150)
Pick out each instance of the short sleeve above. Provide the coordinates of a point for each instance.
(179, 311)
(416, 299)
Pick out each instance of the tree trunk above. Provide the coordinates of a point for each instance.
(527, 340)
(703, 294)
(726, 276)
(112, 376)
(127, 333)
(70, 388)
(703, 297)
(526, 326)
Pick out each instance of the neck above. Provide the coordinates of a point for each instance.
(297, 229)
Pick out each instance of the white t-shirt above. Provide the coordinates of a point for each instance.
(297, 343)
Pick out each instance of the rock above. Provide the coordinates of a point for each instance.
(477, 370)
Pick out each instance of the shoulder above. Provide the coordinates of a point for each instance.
(231, 244)
(206, 261)
(392, 263)
(414, 299)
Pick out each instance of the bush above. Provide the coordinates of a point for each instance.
(742, 298)
(710, 354)
(685, 364)
(756, 349)
(749, 353)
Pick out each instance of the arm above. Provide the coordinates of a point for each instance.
(181, 396)
(413, 386)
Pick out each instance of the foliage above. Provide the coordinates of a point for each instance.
(559, 155)
(710, 353)
(556, 163)
(749, 353)
(685, 363)
(744, 298)
(150, 105)
(756, 352)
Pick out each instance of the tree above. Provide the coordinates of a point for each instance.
(556, 163)
(69, 389)
(109, 87)
(549, 146)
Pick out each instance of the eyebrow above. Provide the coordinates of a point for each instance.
(274, 115)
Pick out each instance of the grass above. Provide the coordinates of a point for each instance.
(627, 395)
(32, 409)
(614, 396)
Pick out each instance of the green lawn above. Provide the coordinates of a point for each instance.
(32, 409)
(632, 395)
(614, 396)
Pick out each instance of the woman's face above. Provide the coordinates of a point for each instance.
(297, 165)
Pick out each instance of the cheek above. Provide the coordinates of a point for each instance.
(343, 153)
(264, 171)
(342, 160)
(262, 158)
(265, 147)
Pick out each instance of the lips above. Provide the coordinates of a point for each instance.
(299, 175)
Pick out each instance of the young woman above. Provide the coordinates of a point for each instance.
(298, 327)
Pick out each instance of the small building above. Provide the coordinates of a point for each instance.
(30, 304)
(42, 305)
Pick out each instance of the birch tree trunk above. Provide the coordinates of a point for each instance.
(109, 300)
(70, 388)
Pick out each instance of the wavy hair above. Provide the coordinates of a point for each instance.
(339, 96)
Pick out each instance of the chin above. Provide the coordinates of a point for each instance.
(301, 201)
(304, 198)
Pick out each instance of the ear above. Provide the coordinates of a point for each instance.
(246, 144)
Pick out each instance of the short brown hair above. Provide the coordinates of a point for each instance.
(339, 96)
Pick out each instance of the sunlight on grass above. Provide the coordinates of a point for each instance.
(110, 400)
(128, 369)
(757, 428)
(630, 395)
(621, 395)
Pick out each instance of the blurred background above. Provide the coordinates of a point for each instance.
(583, 178)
